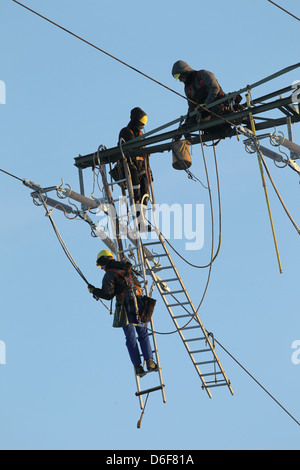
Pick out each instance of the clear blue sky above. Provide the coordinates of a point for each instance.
(67, 382)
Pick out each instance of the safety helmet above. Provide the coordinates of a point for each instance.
(179, 68)
(137, 115)
(102, 257)
(144, 120)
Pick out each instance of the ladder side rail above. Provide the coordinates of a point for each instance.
(141, 258)
(196, 316)
(179, 331)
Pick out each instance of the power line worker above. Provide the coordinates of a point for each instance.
(202, 88)
(114, 285)
(138, 166)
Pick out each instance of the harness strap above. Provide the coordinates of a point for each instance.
(121, 296)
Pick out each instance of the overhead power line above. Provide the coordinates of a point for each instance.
(283, 9)
(99, 49)
(13, 176)
(173, 91)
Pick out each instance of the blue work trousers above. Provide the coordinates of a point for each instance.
(131, 341)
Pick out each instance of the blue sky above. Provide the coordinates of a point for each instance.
(67, 382)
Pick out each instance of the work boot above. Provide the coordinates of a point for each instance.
(151, 366)
(139, 370)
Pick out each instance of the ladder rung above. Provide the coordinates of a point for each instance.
(194, 339)
(218, 384)
(156, 256)
(178, 305)
(149, 390)
(153, 268)
(205, 362)
(211, 373)
(172, 292)
(192, 327)
(199, 351)
(160, 281)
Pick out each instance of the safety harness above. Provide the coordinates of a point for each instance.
(133, 298)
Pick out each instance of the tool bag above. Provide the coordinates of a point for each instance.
(120, 315)
(148, 309)
(181, 155)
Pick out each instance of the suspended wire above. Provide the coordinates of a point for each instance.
(256, 381)
(99, 49)
(228, 96)
(173, 91)
(13, 176)
(71, 259)
(283, 9)
(220, 224)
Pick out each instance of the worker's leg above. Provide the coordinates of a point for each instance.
(144, 342)
(136, 184)
(131, 344)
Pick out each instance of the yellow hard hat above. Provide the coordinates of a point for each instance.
(103, 254)
(176, 75)
(144, 120)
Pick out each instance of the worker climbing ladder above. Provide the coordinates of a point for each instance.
(152, 258)
(127, 224)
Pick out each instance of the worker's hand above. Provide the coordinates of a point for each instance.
(90, 288)
(203, 114)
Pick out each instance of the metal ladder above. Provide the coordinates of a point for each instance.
(136, 251)
(197, 341)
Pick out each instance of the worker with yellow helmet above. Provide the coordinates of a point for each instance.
(114, 285)
(138, 166)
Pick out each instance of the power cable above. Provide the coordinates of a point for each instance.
(173, 91)
(256, 381)
(227, 97)
(101, 50)
(209, 334)
(13, 176)
(220, 225)
(283, 9)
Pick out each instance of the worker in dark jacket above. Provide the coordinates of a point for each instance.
(114, 285)
(201, 87)
(138, 166)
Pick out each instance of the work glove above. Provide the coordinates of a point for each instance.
(90, 288)
(203, 114)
